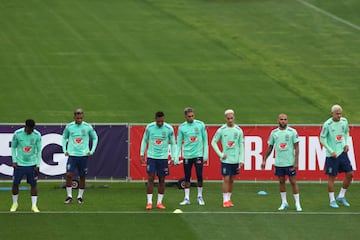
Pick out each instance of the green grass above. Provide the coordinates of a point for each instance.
(123, 60)
(117, 212)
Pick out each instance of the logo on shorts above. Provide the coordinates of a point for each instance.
(158, 141)
(193, 139)
(27, 149)
(230, 144)
(339, 138)
(283, 146)
(78, 140)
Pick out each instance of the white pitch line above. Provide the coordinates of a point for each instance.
(159, 212)
(329, 14)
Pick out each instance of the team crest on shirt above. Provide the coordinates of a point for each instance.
(339, 138)
(196, 130)
(287, 137)
(231, 144)
(27, 149)
(78, 140)
(283, 146)
(193, 138)
(158, 141)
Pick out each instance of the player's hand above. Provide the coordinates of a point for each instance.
(346, 148)
(223, 156)
(37, 170)
(241, 165)
(142, 159)
(171, 163)
(205, 160)
(333, 155)
(15, 165)
(263, 165)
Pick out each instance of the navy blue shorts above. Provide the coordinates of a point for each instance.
(229, 169)
(29, 171)
(285, 171)
(198, 163)
(160, 166)
(79, 164)
(342, 163)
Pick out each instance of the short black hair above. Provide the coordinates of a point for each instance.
(30, 123)
(159, 114)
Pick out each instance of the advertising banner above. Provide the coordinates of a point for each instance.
(110, 158)
(311, 155)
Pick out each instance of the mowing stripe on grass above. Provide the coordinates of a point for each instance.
(329, 14)
(158, 212)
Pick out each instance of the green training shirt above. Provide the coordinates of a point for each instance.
(76, 139)
(283, 141)
(158, 139)
(195, 140)
(26, 148)
(232, 141)
(334, 136)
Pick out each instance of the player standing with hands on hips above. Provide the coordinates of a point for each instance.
(334, 137)
(232, 156)
(286, 142)
(156, 139)
(26, 156)
(195, 152)
(75, 144)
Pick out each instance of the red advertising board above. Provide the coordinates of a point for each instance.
(311, 154)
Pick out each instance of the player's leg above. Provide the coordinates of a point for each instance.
(187, 172)
(18, 174)
(82, 170)
(70, 167)
(331, 169)
(226, 190)
(199, 175)
(345, 166)
(231, 185)
(32, 180)
(150, 170)
(281, 172)
(295, 188)
(162, 170)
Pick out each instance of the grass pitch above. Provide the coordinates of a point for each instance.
(123, 60)
(118, 212)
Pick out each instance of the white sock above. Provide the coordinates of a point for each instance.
(33, 200)
(225, 197)
(229, 196)
(15, 198)
(200, 189)
(69, 191)
(332, 196)
(283, 197)
(149, 197)
(81, 192)
(342, 193)
(297, 199)
(187, 193)
(160, 198)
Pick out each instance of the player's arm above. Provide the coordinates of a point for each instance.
(296, 151)
(14, 144)
(323, 139)
(65, 138)
(205, 143)
(95, 140)
(267, 154)
(346, 138)
(144, 142)
(38, 153)
(172, 145)
(215, 146)
(180, 137)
